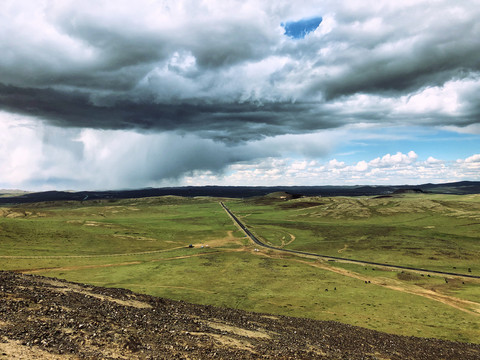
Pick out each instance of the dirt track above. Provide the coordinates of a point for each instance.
(335, 258)
(42, 318)
(467, 306)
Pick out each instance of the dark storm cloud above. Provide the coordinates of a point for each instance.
(228, 71)
(426, 63)
(231, 122)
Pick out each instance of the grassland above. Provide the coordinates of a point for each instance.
(142, 245)
(438, 232)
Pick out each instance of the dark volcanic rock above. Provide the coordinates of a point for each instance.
(55, 319)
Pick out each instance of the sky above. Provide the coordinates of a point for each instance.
(119, 94)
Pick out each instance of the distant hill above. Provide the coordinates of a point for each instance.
(408, 191)
(9, 192)
(459, 188)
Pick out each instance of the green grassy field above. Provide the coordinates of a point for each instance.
(438, 232)
(143, 245)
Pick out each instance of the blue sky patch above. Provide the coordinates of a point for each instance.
(299, 29)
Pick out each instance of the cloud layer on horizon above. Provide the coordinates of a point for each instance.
(42, 157)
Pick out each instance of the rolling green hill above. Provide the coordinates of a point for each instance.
(143, 245)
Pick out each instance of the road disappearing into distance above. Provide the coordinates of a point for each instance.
(334, 258)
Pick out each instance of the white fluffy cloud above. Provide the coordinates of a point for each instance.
(473, 159)
(36, 156)
(396, 160)
(390, 169)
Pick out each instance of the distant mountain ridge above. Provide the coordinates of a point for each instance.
(458, 188)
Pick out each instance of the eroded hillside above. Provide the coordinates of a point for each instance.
(42, 318)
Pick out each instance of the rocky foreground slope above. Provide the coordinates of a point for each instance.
(42, 318)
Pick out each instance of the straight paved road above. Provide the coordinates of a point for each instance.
(398, 267)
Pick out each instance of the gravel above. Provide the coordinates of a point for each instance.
(69, 320)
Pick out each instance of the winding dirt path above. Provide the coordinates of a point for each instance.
(467, 306)
(215, 242)
(470, 307)
(292, 239)
(73, 268)
(87, 256)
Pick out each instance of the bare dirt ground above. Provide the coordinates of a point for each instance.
(42, 318)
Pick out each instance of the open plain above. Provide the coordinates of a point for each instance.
(144, 245)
